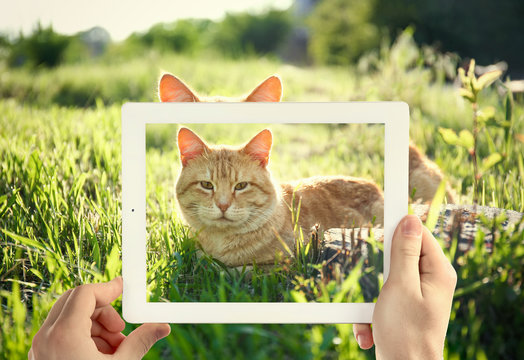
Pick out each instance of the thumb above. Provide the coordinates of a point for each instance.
(405, 252)
(138, 343)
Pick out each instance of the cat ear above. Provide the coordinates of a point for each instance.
(269, 91)
(189, 145)
(172, 89)
(259, 147)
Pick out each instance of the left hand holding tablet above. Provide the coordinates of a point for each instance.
(83, 325)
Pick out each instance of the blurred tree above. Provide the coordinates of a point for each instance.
(341, 31)
(484, 29)
(245, 33)
(5, 46)
(185, 36)
(43, 47)
(490, 31)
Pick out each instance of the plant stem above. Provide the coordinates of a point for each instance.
(474, 154)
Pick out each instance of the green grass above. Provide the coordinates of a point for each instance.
(60, 197)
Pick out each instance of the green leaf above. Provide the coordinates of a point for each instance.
(465, 139)
(467, 94)
(463, 78)
(485, 114)
(113, 263)
(491, 160)
(509, 105)
(298, 296)
(449, 136)
(10, 202)
(471, 69)
(508, 131)
(434, 209)
(37, 273)
(25, 241)
(487, 79)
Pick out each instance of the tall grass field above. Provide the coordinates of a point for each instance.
(60, 194)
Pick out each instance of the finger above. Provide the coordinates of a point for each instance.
(138, 343)
(363, 335)
(84, 299)
(103, 346)
(112, 338)
(56, 309)
(435, 269)
(405, 252)
(109, 318)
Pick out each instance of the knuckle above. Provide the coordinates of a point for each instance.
(37, 340)
(82, 289)
(55, 338)
(410, 251)
(56, 334)
(452, 275)
(145, 345)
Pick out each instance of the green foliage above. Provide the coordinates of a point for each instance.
(43, 47)
(471, 87)
(246, 33)
(238, 34)
(488, 296)
(182, 36)
(482, 29)
(341, 31)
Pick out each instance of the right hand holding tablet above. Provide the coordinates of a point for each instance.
(412, 311)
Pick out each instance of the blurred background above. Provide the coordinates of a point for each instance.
(67, 67)
(138, 42)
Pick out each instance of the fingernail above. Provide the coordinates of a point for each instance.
(411, 226)
(163, 331)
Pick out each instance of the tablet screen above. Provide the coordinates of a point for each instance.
(264, 212)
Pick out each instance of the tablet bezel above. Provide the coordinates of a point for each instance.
(135, 116)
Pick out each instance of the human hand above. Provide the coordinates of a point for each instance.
(83, 325)
(412, 311)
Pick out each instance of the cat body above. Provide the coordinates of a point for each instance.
(238, 229)
(227, 195)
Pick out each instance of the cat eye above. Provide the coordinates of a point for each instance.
(241, 186)
(206, 185)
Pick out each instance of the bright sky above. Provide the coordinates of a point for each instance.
(119, 17)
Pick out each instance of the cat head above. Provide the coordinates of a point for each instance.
(172, 89)
(225, 188)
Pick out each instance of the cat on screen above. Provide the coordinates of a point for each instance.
(241, 214)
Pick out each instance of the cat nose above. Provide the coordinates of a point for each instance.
(223, 206)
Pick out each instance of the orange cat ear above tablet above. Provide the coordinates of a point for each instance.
(259, 147)
(189, 145)
(269, 91)
(172, 89)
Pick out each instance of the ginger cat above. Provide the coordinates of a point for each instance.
(359, 200)
(227, 195)
(424, 175)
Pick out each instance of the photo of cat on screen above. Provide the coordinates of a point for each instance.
(227, 195)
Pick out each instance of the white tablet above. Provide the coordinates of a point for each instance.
(253, 212)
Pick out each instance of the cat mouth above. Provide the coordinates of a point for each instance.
(224, 219)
